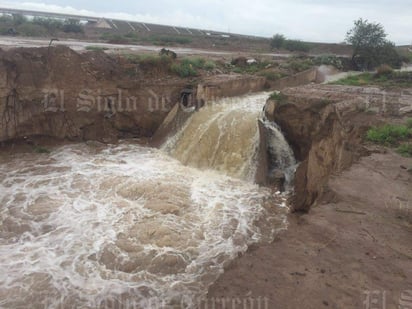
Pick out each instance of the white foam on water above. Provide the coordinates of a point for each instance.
(223, 136)
(119, 226)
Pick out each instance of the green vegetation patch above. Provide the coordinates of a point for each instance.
(405, 150)
(96, 48)
(278, 97)
(388, 80)
(389, 135)
(398, 136)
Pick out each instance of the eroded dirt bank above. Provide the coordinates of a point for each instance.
(340, 252)
(59, 93)
(326, 126)
(353, 248)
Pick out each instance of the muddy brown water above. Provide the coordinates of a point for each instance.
(127, 226)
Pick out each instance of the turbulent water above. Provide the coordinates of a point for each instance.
(128, 226)
(225, 134)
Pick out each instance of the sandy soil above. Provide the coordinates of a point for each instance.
(354, 253)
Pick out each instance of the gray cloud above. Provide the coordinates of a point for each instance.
(317, 20)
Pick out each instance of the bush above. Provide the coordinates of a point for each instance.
(388, 134)
(277, 41)
(132, 36)
(209, 65)
(329, 60)
(19, 19)
(299, 65)
(73, 26)
(29, 29)
(409, 123)
(271, 75)
(296, 45)
(148, 62)
(184, 69)
(52, 25)
(278, 97)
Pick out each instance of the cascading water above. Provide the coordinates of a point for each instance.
(224, 136)
(126, 226)
(281, 156)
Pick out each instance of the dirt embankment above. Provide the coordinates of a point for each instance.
(348, 254)
(326, 125)
(59, 93)
(353, 249)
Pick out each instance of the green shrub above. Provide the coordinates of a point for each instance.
(29, 29)
(184, 69)
(52, 25)
(132, 36)
(394, 79)
(299, 65)
(166, 39)
(409, 123)
(388, 134)
(405, 150)
(278, 97)
(271, 75)
(72, 25)
(148, 62)
(355, 80)
(196, 62)
(209, 65)
(277, 41)
(296, 45)
(329, 60)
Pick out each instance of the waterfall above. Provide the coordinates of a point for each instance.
(224, 136)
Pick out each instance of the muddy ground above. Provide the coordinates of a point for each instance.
(353, 253)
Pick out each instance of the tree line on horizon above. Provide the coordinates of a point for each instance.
(370, 46)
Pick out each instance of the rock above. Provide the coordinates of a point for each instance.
(277, 178)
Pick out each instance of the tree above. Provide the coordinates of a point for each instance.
(370, 46)
(277, 41)
(72, 25)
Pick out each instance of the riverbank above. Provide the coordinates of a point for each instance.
(340, 253)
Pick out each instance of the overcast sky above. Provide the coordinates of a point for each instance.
(310, 20)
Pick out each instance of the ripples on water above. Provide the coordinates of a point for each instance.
(122, 226)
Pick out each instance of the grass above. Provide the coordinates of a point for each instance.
(405, 150)
(171, 39)
(297, 64)
(271, 75)
(278, 97)
(389, 80)
(188, 67)
(398, 136)
(250, 68)
(96, 48)
(389, 135)
(132, 37)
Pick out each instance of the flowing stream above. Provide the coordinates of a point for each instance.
(127, 226)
